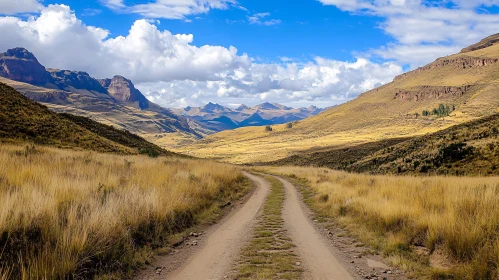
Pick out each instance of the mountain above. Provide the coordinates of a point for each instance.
(113, 101)
(208, 116)
(22, 119)
(449, 91)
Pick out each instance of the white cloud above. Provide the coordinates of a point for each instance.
(170, 9)
(11, 7)
(425, 30)
(172, 71)
(260, 18)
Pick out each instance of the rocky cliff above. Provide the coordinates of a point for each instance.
(421, 93)
(462, 62)
(76, 79)
(123, 90)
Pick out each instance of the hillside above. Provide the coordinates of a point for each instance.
(22, 119)
(466, 83)
(214, 118)
(466, 149)
(113, 101)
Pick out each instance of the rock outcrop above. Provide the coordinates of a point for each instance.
(485, 43)
(124, 91)
(431, 92)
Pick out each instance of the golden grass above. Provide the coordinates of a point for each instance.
(67, 214)
(455, 219)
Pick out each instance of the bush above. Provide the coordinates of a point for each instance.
(268, 128)
(289, 125)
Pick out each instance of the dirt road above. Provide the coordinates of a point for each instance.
(221, 247)
(215, 258)
(319, 261)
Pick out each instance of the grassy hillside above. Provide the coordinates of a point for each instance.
(467, 149)
(68, 214)
(22, 119)
(466, 82)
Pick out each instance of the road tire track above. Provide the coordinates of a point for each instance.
(223, 245)
(319, 261)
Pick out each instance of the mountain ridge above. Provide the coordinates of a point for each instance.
(113, 101)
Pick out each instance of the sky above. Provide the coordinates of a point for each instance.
(298, 53)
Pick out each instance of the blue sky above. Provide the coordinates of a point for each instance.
(299, 53)
(306, 30)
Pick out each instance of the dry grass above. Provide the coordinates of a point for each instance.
(455, 220)
(67, 214)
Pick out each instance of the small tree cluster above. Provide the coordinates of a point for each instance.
(268, 128)
(289, 125)
(441, 111)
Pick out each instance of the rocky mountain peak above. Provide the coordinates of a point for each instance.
(19, 53)
(267, 106)
(242, 108)
(19, 64)
(211, 107)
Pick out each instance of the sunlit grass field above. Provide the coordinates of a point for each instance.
(69, 214)
(435, 227)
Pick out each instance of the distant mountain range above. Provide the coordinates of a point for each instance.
(215, 117)
(117, 102)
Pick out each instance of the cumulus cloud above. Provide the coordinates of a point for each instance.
(177, 9)
(261, 18)
(173, 72)
(425, 30)
(10, 7)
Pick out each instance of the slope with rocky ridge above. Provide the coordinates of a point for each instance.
(22, 119)
(216, 118)
(467, 82)
(113, 101)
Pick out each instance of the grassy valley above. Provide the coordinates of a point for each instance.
(87, 190)
(467, 82)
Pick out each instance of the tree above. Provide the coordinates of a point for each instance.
(289, 125)
(268, 128)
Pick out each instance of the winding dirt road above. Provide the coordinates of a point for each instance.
(215, 259)
(319, 261)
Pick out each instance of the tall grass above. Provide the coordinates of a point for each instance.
(68, 214)
(456, 218)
